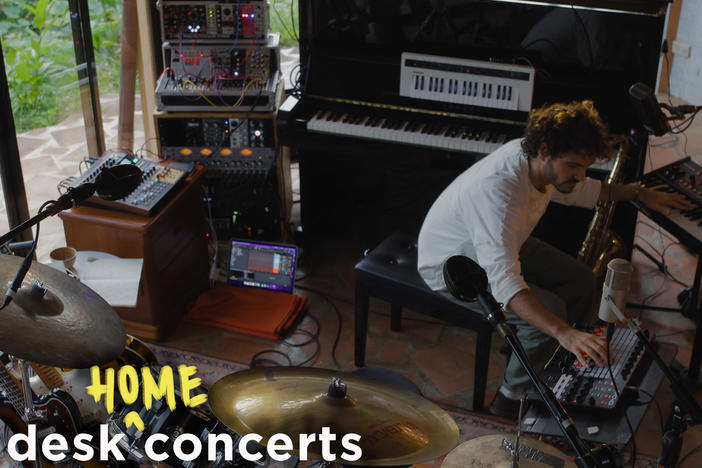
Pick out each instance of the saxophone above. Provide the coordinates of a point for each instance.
(601, 244)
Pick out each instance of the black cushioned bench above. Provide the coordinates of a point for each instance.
(389, 272)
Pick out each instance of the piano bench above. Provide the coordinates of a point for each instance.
(389, 272)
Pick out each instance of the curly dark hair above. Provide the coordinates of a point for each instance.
(562, 128)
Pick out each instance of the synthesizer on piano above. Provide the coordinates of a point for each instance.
(683, 176)
(592, 387)
(426, 78)
(465, 81)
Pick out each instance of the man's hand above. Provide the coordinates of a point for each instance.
(664, 202)
(581, 343)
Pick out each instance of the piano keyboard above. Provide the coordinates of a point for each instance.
(464, 81)
(418, 130)
(684, 177)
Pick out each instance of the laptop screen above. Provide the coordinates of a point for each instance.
(262, 265)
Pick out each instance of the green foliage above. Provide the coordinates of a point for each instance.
(284, 17)
(40, 60)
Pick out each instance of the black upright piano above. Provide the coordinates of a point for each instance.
(395, 98)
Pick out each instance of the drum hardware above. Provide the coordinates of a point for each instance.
(498, 451)
(48, 414)
(467, 281)
(160, 419)
(69, 326)
(396, 427)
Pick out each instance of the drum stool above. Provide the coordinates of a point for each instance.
(389, 272)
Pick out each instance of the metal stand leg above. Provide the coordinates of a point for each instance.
(30, 416)
(693, 371)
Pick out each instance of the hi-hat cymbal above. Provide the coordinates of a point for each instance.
(70, 326)
(494, 451)
(397, 427)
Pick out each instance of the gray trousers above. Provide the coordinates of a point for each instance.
(564, 286)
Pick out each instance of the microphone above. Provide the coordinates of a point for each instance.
(73, 196)
(649, 110)
(616, 287)
(113, 183)
(19, 277)
(464, 278)
(467, 281)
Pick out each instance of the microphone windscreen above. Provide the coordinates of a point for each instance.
(115, 183)
(648, 109)
(464, 278)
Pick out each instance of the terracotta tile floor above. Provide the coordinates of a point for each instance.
(435, 356)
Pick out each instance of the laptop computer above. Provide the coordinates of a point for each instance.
(262, 265)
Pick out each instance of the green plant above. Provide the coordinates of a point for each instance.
(284, 18)
(33, 35)
(41, 67)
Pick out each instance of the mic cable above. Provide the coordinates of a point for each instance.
(24, 266)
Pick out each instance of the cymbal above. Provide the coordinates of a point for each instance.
(493, 451)
(70, 326)
(397, 427)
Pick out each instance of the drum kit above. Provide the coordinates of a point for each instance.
(67, 325)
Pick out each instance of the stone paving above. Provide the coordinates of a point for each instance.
(52, 154)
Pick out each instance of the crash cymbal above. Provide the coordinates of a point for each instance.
(397, 427)
(70, 326)
(494, 451)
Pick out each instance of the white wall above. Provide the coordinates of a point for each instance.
(686, 74)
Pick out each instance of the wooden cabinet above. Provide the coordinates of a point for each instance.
(172, 243)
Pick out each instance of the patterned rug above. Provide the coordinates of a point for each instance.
(470, 425)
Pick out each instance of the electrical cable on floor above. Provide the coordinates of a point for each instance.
(210, 223)
(619, 396)
(338, 314)
(651, 398)
(687, 455)
(679, 332)
(255, 361)
(313, 338)
(445, 405)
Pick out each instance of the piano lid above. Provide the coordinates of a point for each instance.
(643, 7)
(352, 49)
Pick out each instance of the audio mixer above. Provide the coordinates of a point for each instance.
(158, 180)
(591, 387)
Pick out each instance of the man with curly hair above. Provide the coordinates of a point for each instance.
(488, 213)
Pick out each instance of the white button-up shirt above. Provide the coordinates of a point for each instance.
(487, 213)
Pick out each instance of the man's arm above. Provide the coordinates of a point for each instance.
(654, 199)
(579, 343)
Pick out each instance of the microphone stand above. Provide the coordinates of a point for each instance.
(585, 457)
(686, 403)
(64, 202)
